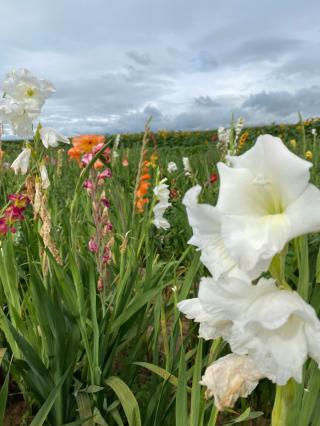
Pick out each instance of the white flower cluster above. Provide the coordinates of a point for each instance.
(24, 96)
(115, 153)
(238, 128)
(265, 200)
(186, 166)
(172, 167)
(224, 136)
(162, 193)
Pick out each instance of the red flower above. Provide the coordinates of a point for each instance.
(214, 177)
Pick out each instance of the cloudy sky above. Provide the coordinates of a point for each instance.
(188, 64)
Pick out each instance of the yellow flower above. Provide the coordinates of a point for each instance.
(293, 143)
(308, 155)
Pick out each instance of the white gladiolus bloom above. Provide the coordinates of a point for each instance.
(115, 153)
(162, 193)
(276, 328)
(26, 89)
(161, 223)
(186, 166)
(44, 177)
(172, 167)
(230, 378)
(265, 200)
(314, 132)
(21, 163)
(206, 222)
(19, 118)
(116, 142)
(50, 137)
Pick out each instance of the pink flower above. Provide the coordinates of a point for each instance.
(106, 255)
(19, 200)
(105, 202)
(87, 184)
(4, 227)
(125, 162)
(105, 174)
(108, 227)
(13, 213)
(93, 246)
(106, 153)
(86, 158)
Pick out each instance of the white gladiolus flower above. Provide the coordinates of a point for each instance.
(172, 167)
(26, 89)
(230, 378)
(314, 132)
(276, 328)
(116, 142)
(21, 163)
(162, 193)
(19, 118)
(115, 153)
(161, 223)
(50, 137)
(44, 177)
(265, 200)
(206, 222)
(24, 97)
(186, 166)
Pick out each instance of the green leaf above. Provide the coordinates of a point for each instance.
(42, 414)
(127, 399)
(164, 374)
(3, 397)
(84, 405)
(196, 388)
(181, 396)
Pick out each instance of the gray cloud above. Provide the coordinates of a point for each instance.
(188, 65)
(139, 58)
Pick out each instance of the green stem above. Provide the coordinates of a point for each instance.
(282, 404)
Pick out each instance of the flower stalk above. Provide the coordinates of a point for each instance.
(282, 404)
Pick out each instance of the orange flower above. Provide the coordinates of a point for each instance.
(140, 196)
(86, 143)
(141, 202)
(98, 165)
(145, 177)
(74, 154)
(143, 189)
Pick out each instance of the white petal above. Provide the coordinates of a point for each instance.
(229, 378)
(271, 158)
(304, 213)
(253, 241)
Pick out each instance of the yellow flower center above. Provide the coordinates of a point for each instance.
(30, 92)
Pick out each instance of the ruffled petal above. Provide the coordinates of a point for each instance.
(304, 213)
(271, 159)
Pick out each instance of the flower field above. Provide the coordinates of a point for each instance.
(162, 278)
